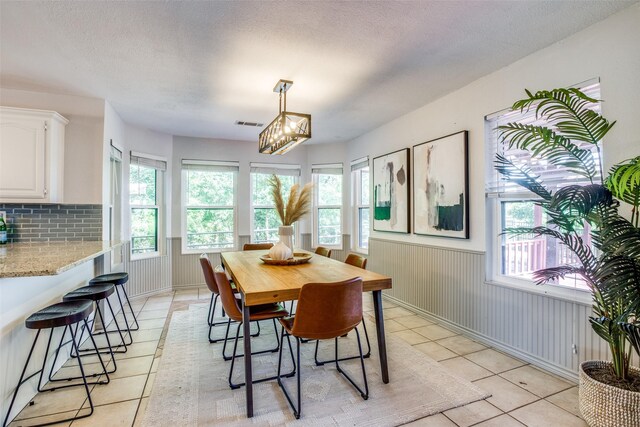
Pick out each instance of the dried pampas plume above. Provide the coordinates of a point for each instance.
(297, 205)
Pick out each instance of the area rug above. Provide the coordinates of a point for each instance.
(191, 389)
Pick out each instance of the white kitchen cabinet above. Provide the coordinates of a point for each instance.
(31, 156)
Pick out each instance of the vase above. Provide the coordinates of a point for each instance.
(602, 405)
(284, 248)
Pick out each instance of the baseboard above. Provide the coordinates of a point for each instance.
(558, 370)
(150, 293)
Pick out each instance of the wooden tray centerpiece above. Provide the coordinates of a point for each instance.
(298, 258)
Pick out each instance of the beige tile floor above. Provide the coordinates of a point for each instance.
(521, 393)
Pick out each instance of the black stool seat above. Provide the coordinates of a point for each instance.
(95, 292)
(60, 314)
(115, 278)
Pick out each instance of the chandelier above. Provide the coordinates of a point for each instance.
(288, 129)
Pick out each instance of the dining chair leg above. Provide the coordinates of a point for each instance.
(366, 355)
(271, 350)
(364, 393)
(296, 410)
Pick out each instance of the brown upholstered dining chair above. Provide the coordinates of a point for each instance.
(231, 305)
(325, 311)
(361, 262)
(256, 246)
(209, 279)
(321, 250)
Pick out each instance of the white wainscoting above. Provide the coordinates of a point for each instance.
(449, 285)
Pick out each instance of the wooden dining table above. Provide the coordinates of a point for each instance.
(260, 283)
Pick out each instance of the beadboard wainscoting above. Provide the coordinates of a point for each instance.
(148, 275)
(186, 270)
(449, 285)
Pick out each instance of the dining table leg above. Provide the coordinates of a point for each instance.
(382, 344)
(248, 378)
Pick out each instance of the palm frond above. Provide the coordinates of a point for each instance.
(572, 112)
(543, 142)
(522, 176)
(617, 236)
(619, 282)
(633, 334)
(624, 181)
(579, 201)
(552, 274)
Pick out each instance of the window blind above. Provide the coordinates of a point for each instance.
(359, 163)
(276, 169)
(553, 177)
(327, 169)
(148, 161)
(210, 165)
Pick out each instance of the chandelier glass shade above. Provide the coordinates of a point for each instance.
(288, 129)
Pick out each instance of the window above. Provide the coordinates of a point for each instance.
(517, 257)
(208, 205)
(264, 219)
(360, 196)
(115, 203)
(327, 213)
(145, 194)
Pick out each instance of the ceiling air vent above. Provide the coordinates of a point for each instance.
(251, 124)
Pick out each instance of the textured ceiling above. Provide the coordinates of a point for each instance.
(193, 68)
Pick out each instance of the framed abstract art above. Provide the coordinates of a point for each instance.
(391, 192)
(441, 187)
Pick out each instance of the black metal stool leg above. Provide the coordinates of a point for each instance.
(124, 315)
(21, 380)
(135, 320)
(93, 351)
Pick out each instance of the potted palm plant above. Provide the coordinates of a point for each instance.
(571, 132)
(293, 210)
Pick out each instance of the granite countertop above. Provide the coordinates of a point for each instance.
(48, 259)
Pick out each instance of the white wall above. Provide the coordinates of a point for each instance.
(609, 49)
(113, 131)
(243, 151)
(83, 139)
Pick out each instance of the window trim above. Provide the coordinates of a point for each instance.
(316, 171)
(159, 202)
(357, 166)
(184, 207)
(494, 226)
(272, 168)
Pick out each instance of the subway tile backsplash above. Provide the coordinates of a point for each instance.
(53, 222)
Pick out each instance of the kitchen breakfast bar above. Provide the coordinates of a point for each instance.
(33, 276)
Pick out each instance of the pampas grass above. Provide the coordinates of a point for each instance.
(297, 205)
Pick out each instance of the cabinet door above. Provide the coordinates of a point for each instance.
(22, 158)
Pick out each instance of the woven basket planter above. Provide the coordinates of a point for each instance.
(602, 405)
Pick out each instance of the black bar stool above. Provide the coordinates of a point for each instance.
(95, 293)
(64, 314)
(119, 280)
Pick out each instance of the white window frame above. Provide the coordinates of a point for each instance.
(494, 200)
(357, 167)
(269, 169)
(159, 164)
(115, 202)
(183, 198)
(316, 171)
